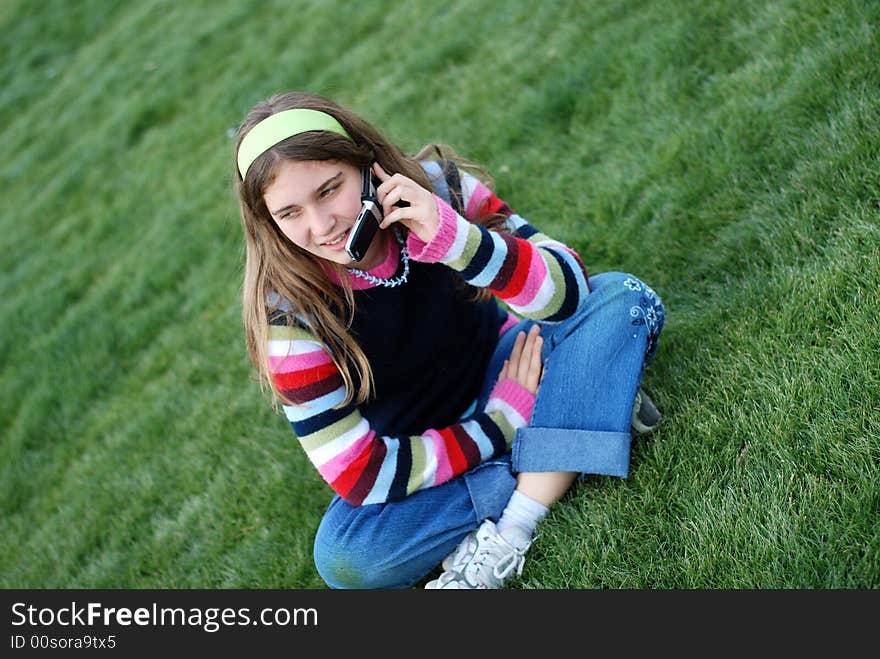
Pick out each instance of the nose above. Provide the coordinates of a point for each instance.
(322, 224)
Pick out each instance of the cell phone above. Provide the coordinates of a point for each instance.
(369, 218)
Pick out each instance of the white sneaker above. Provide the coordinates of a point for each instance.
(449, 581)
(454, 564)
(456, 561)
(484, 559)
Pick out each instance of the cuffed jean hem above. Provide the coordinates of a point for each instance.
(584, 451)
(490, 486)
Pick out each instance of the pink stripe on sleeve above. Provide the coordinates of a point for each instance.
(338, 464)
(480, 194)
(510, 322)
(444, 467)
(438, 246)
(514, 394)
(290, 363)
(536, 274)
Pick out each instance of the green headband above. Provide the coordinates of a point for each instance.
(277, 127)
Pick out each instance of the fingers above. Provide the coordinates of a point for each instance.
(389, 219)
(393, 214)
(528, 373)
(398, 189)
(381, 173)
(536, 366)
(394, 193)
(503, 375)
(525, 365)
(405, 201)
(392, 187)
(516, 355)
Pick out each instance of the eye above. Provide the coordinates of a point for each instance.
(292, 214)
(327, 192)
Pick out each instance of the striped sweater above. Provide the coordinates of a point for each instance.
(534, 275)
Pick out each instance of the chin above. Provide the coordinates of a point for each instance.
(341, 259)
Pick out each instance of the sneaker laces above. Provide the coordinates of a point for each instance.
(514, 560)
(459, 558)
(495, 551)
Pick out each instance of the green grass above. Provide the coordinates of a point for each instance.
(725, 152)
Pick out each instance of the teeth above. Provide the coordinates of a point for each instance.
(337, 241)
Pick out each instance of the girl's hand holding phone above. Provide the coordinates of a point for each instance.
(525, 366)
(420, 217)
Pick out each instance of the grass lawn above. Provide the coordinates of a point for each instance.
(727, 153)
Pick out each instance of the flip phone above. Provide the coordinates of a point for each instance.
(369, 218)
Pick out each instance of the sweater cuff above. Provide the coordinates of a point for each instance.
(510, 396)
(434, 250)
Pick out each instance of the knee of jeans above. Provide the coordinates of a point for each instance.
(631, 301)
(614, 283)
(345, 563)
(336, 562)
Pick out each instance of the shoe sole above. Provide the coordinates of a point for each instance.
(645, 416)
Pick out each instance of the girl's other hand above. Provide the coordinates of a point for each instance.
(420, 217)
(525, 366)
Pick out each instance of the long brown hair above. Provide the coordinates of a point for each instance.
(277, 270)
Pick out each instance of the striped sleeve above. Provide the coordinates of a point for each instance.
(536, 276)
(361, 466)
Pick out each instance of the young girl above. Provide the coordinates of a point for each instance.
(446, 423)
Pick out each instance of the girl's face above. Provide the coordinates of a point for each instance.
(315, 203)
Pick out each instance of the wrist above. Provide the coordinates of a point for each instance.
(514, 400)
(439, 243)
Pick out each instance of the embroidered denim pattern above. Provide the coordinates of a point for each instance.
(650, 311)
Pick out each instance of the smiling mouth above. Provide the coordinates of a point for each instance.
(331, 243)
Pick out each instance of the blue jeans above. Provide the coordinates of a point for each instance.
(593, 364)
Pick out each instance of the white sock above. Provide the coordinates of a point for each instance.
(523, 512)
